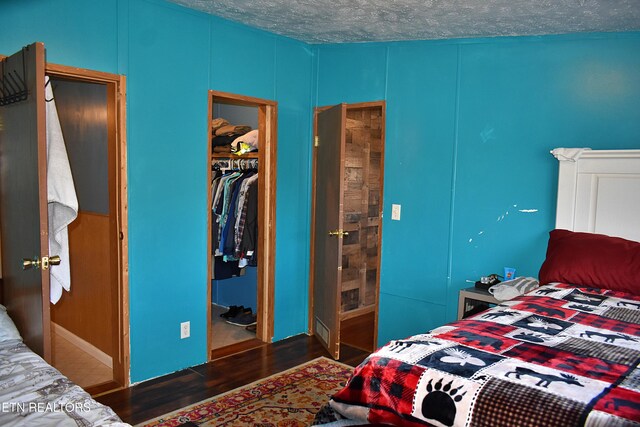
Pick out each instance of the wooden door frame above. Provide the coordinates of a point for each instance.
(383, 105)
(267, 156)
(116, 96)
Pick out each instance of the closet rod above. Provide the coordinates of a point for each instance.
(234, 164)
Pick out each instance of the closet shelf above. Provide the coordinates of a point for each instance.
(252, 155)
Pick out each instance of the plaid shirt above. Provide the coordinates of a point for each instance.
(241, 216)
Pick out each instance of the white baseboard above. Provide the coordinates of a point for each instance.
(83, 345)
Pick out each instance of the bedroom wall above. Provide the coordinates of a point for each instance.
(469, 127)
(171, 57)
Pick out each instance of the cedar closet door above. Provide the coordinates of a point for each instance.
(23, 198)
(347, 221)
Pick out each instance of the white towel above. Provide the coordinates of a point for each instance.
(61, 197)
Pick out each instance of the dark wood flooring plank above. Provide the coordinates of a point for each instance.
(158, 396)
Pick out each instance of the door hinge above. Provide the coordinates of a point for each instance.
(316, 141)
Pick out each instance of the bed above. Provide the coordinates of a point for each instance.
(566, 353)
(32, 393)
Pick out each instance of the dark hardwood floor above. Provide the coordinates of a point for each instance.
(158, 396)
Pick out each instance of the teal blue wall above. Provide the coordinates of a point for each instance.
(239, 290)
(469, 127)
(171, 57)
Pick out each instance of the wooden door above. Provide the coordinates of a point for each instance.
(23, 198)
(328, 217)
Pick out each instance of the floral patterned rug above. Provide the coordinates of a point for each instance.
(290, 398)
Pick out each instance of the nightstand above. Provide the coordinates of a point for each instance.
(471, 298)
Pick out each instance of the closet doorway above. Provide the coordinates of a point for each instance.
(346, 225)
(241, 222)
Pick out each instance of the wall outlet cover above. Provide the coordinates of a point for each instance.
(185, 330)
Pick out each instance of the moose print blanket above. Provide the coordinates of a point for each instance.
(558, 356)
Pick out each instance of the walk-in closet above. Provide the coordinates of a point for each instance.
(242, 141)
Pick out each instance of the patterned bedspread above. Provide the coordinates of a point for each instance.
(557, 356)
(32, 393)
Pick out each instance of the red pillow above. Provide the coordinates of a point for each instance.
(592, 260)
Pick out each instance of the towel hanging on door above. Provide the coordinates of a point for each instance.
(61, 197)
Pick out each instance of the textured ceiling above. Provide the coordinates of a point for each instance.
(340, 21)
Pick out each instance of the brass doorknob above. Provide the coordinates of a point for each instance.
(43, 262)
(52, 260)
(339, 233)
(29, 263)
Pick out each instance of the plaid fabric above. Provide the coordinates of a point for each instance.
(241, 215)
(600, 350)
(590, 367)
(609, 324)
(503, 403)
(557, 356)
(626, 315)
(546, 307)
(387, 382)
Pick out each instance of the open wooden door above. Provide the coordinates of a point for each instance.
(23, 196)
(346, 228)
(327, 226)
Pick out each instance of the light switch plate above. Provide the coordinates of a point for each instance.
(395, 212)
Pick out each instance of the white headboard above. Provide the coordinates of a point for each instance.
(599, 191)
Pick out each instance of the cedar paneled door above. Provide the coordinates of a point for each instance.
(347, 224)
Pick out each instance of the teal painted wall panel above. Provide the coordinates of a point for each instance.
(351, 73)
(167, 168)
(240, 290)
(403, 317)
(418, 169)
(519, 100)
(293, 87)
(242, 59)
(76, 33)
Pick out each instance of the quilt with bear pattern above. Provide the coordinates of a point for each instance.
(558, 356)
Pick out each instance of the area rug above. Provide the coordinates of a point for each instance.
(287, 399)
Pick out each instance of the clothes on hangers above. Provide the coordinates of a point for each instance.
(234, 209)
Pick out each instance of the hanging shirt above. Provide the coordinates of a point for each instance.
(241, 213)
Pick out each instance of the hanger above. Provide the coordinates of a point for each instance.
(45, 86)
(235, 164)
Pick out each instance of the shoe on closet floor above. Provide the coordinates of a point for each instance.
(233, 311)
(244, 319)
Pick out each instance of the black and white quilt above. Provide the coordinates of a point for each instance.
(558, 356)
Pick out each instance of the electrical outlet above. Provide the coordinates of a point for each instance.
(395, 212)
(185, 330)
